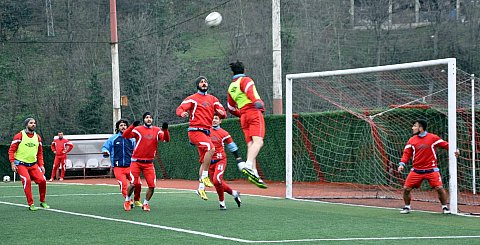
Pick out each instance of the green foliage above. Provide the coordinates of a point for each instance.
(92, 109)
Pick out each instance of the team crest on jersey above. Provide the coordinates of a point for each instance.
(206, 104)
(149, 136)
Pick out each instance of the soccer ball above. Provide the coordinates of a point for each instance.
(213, 19)
(6, 178)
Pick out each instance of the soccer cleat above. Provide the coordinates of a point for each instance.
(206, 181)
(223, 207)
(258, 182)
(131, 204)
(138, 204)
(33, 208)
(44, 205)
(61, 179)
(202, 194)
(126, 206)
(50, 180)
(146, 207)
(249, 173)
(237, 199)
(405, 210)
(445, 210)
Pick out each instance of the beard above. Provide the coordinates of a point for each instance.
(202, 89)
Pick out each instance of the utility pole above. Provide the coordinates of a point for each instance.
(117, 113)
(277, 58)
(48, 11)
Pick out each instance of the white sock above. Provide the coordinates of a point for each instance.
(256, 172)
(444, 206)
(145, 201)
(241, 165)
(249, 164)
(204, 174)
(127, 198)
(408, 206)
(222, 203)
(234, 193)
(201, 186)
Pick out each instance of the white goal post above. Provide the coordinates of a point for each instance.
(452, 120)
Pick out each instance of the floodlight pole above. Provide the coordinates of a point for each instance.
(117, 113)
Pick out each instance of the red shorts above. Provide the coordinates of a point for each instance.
(253, 124)
(148, 170)
(216, 170)
(414, 180)
(202, 141)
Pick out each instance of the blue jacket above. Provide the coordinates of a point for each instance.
(120, 150)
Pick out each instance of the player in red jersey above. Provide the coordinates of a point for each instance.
(60, 147)
(421, 147)
(220, 138)
(26, 159)
(147, 137)
(200, 108)
(244, 102)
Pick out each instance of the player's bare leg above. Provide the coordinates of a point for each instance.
(250, 167)
(443, 197)
(407, 198)
(203, 172)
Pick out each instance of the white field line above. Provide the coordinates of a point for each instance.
(238, 239)
(137, 223)
(270, 197)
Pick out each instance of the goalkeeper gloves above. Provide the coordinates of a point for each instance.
(164, 125)
(259, 105)
(136, 123)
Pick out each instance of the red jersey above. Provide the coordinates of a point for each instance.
(14, 146)
(201, 108)
(147, 140)
(220, 137)
(422, 151)
(61, 145)
(247, 86)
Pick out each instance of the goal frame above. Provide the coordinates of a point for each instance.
(452, 120)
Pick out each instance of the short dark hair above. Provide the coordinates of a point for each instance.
(423, 123)
(237, 67)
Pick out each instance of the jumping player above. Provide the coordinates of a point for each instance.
(201, 107)
(244, 102)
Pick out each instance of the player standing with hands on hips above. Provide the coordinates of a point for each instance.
(244, 102)
(147, 137)
(26, 158)
(200, 108)
(421, 147)
(60, 147)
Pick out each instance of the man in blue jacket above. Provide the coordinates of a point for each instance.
(120, 151)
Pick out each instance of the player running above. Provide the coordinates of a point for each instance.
(220, 137)
(120, 152)
(147, 137)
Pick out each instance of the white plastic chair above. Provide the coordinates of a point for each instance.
(92, 163)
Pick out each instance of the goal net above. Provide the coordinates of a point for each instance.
(346, 131)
